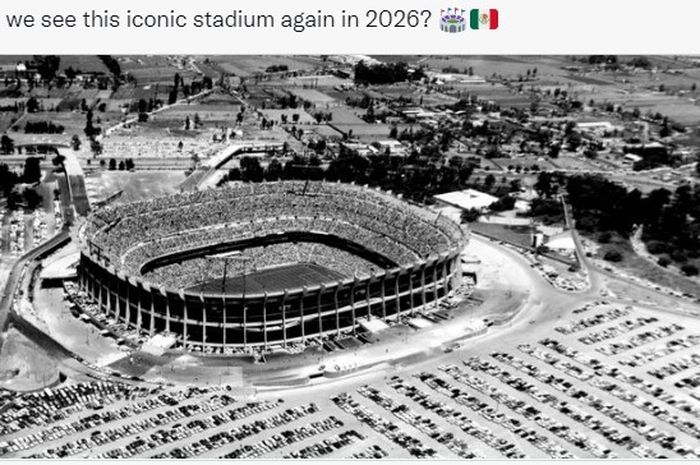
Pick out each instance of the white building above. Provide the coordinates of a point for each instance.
(467, 199)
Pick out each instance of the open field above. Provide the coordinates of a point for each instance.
(639, 266)
(136, 186)
(519, 235)
(246, 66)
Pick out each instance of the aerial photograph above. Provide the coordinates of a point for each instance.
(349, 257)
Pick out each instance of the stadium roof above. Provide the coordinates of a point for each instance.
(467, 199)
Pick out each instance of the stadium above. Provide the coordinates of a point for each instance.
(266, 265)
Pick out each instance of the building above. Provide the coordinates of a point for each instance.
(111, 268)
(467, 199)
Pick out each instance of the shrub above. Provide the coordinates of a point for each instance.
(678, 255)
(471, 215)
(613, 256)
(604, 237)
(657, 247)
(689, 270)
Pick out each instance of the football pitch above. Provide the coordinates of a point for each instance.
(272, 279)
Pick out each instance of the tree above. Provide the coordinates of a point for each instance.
(122, 166)
(32, 105)
(95, 147)
(274, 170)
(90, 129)
(8, 180)
(489, 181)
(471, 215)
(112, 65)
(129, 164)
(640, 62)
(689, 270)
(505, 203)
(47, 66)
(385, 73)
(112, 164)
(75, 142)
(234, 174)
(554, 151)
(665, 130)
(32, 170)
(7, 145)
(58, 160)
(613, 256)
(251, 171)
(590, 154)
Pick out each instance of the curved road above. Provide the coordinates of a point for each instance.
(15, 275)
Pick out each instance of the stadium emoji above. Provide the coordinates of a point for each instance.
(452, 20)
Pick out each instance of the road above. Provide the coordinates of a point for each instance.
(597, 275)
(15, 275)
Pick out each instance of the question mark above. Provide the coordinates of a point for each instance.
(427, 18)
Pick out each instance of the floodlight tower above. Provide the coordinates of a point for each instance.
(234, 256)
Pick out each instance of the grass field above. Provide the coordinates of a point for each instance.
(245, 66)
(641, 267)
(274, 279)
(519, 235)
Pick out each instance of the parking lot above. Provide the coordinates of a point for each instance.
(568, 388)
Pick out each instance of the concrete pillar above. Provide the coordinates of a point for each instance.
(410, 290)
(301, 312)
(422, 284)
(445, 281)
(204, 321)
(435, 287)
(265, 320)
(337, 309)
(245, 323)
(127, 313)
(152, 325)
(318, 306)
(104, 299)
(185, 336)
(368, 298)
(284, 318)
(223, 322)
(384, 297)
(352, 306)
(139, 317)
(397, 300)
(167, 312)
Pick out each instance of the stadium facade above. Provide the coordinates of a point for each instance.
(220, 320)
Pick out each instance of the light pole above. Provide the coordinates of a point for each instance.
(235, 255)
